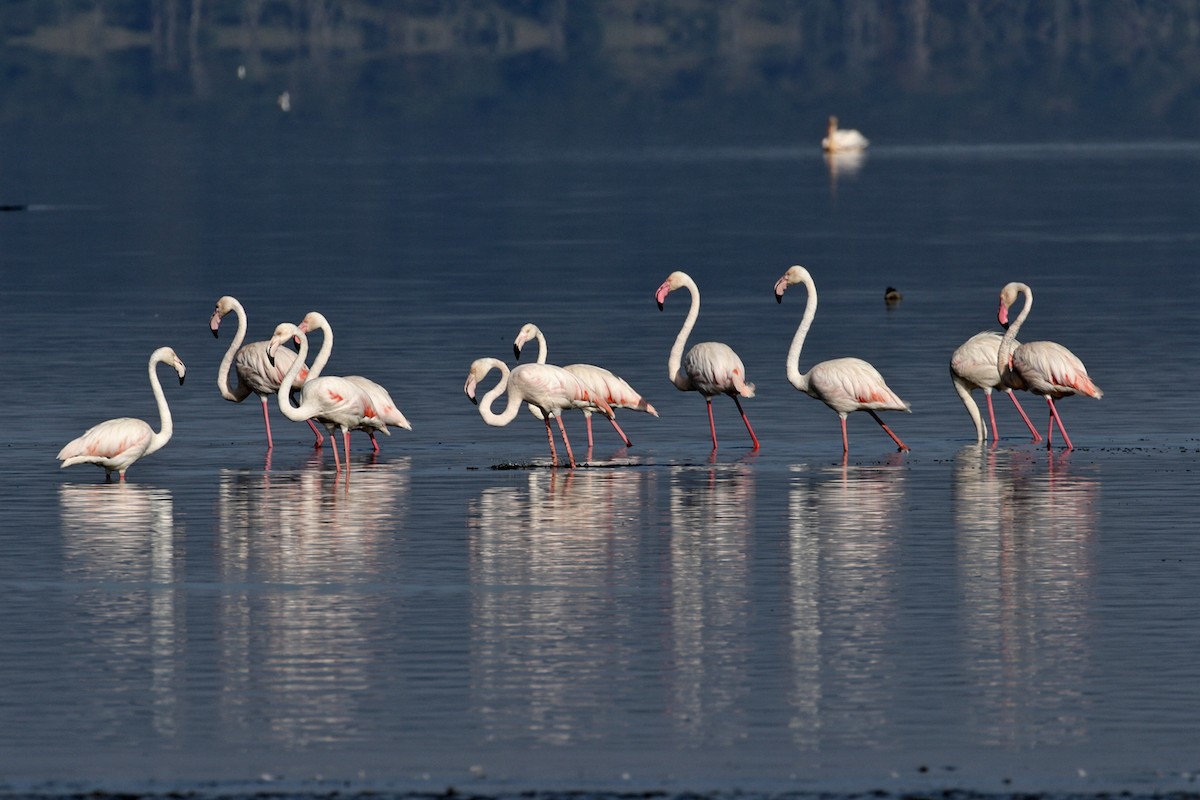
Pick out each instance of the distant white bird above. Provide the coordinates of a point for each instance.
(116, 443)
(973, 366)
(842, 140)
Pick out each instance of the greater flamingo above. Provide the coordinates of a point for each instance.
(256, 373)
(1044, 368)
(334, 402)
(382, 409)
(550, 389)
(612, 388)
(844, 384)
(116, 443)
(973, 366)
(840, 140)
(709, 368)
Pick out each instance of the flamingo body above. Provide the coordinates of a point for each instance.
(710, 368)
(973, 366)
(117, 443)
(841, 140)
(845, 385)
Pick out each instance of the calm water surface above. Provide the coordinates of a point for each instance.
(978, 617)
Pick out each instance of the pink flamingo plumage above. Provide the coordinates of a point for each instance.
(257, 374)
(709, 368)
(117, 443)
(612, 388)
(550, 389)
(382, 411)
(1044, 368)
(844, 384)
(334, 402)
(973, 366)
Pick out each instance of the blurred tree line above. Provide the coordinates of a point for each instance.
(910, 67)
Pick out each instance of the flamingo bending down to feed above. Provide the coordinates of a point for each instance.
(257, 374)
(116, 443)
(1044, 368)
(709, 368)
(841, 140)
(973, 366)
(385, 412)
(334, 402)
(844, 384)
(550, 389)
(614, 389)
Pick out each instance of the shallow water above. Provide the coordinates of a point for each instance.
(987, 618)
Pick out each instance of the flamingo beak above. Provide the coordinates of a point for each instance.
(517, 351)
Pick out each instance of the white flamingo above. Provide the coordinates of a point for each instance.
(1044, 368)
(612, 388)
(844, 384)
(973, 366)
(840, 140)
(256, 373)
(709, 368)
(334, 402)
(117, 443)
(550, 389)
(382, 412)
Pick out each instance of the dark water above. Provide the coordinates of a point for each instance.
(989, 619)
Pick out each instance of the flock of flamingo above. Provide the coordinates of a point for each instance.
(988, 361)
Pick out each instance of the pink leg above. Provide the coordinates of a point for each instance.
(1037, 437)
(337, 464)
(624, 438)
(888, 430)
(588, 417)
(566, 442)
(346, 439)
(992, 416)
(1053, 419)
(845, 438)
(267, 422)
(746, 420)
(374, 443)
(550, 436)
(712, 426)
(320, 439)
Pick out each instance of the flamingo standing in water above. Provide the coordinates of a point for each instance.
(844, 384)
(550, 389)
(1044, 368)
(117, 443)
(383, 408)
(973, 366)
(614, 389)
(709, 368)
(256, 373)
(841, 140)
(334, 402)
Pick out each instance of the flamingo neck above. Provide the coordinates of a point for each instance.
(243, 391)
(326, 347)
(674, 362)
(514, 398)
(1009, 343)
(301, 412)
(964, 394)
(794, 376)
(541, 340)
(167, 426)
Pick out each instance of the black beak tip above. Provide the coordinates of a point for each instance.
(214, 333)
(517, 352)
(181, 380)
(778, 298)
(660, 305)
(474, 401)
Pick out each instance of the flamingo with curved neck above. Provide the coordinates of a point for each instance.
(550, 389)
(709, 368)
(614, 389)
(973, 366)
(116, 444)
(844, 384)
(1043, 368)
(257, 374)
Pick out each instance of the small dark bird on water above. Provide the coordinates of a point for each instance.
(891, 296)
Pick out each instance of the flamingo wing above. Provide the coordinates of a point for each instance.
(851, 384)
(612, 388)
(714, 368)
(262, 375)
(381, 410)
(1051, 369)
(113, 444)
(554, 390)
(975, 360)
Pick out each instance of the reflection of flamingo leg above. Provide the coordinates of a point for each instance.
(746, 420)
(1053, 419)
(886, 430)
(1037, 437)
(711, 425)
(566, 442)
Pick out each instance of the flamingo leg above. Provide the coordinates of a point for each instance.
(746, 420)
(712, 426)
(1037, 437)
(550, 436)
(267, 422)
(887, 430)
(566, 442)
(337, 464)
(374, 443)
(588, 416)
(320, 439)
(992, 416)
(845, 438)
(1054, 417)
(346, 439)
(624, 438)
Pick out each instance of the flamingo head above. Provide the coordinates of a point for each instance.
(528, 331)
(165, 355)
(795, 274)
(314, 321)
(283, 332)
(673, 282)
(1008, 296)
(224, 306)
